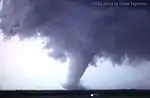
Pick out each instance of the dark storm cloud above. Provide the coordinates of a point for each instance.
(75, 26)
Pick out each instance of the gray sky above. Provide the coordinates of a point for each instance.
(31, 68)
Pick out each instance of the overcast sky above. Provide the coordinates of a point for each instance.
(31, 68)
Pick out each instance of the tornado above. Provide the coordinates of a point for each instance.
(80, 30)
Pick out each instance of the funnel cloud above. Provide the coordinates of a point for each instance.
(80, 30)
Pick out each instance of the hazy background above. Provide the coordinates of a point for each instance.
(25, 65)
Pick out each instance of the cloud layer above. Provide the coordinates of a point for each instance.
(115, 32)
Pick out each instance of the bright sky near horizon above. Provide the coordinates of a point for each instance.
(25, 65)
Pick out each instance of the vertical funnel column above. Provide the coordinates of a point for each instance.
(77, 67)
